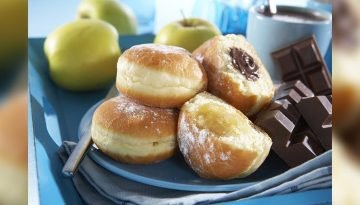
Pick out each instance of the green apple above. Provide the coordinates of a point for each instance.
(13, 34)
(83, 54)
(120, 16)
(187, 33)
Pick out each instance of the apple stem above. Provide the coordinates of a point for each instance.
(186, 23)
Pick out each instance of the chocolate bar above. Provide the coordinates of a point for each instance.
(317, 112)
(303, 61)
(293, 147)
(298, 123)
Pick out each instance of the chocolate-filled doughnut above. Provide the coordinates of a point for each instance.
(235, 73)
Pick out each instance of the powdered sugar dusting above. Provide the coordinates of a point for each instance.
(136, 112)
(186, 138)
(202, 136)
(131, 109)
(225, 156)
(191, 139)
(207, 158)
(211, 148)
(165, 49)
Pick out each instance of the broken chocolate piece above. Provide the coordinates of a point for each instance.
(293, 91)
(307, 138)
(244, 63)
(303, 61)
(300, 149)
(299, 87)
(291, 95)
(277, 125)
(296, 137)
(317, 111)
(287, 109)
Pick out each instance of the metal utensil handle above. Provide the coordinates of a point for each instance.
(272, 7)
(84, 144)
(77, 155)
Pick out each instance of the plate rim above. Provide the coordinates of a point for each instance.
(96, 155)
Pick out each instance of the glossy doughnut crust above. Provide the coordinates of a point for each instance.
(248, 94)
(218, 141)
(159, 75)
(134, 133)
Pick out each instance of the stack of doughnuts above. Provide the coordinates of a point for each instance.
(140, 126)
(163, 105)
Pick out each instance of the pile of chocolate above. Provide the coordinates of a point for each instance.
(299, 120)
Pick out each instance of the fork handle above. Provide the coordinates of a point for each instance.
(77, 155)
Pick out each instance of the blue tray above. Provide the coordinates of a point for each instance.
(54, 116)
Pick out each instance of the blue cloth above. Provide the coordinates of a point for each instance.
(99, 186)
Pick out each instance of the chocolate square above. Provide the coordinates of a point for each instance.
(287, 108)
(303, 61)
(300, 149)
(317, 111)
(276, 123)
(308, 56)
(320, 84)
(293, 91)
(285, 60)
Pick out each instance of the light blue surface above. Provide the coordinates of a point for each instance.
(45, 16)
(228, 16)
(47, 102)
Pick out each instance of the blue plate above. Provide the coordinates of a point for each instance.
(174, 173)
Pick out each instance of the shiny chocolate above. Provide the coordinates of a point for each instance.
(244, 63)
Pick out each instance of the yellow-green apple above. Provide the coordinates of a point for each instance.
(13, 32)
(187, 33)
(111, 11)
(83, 54)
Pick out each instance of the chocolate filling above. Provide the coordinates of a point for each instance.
(244, 63)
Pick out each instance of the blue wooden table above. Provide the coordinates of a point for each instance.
(54, 117)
